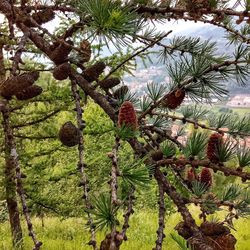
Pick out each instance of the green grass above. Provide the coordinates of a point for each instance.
(70, 234)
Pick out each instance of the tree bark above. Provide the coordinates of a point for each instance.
(10, 182)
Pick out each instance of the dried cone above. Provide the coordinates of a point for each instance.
(213, 143)
(69, 134)
(16, 84)
(109, 83)
(86, 51)
(206, 177)
(127, 116)
(62, 71)
(93, 72)
(5, 7)
(174, 99)
(121, 92)
(43, 16)
(30, 92)
(59, 52)
(213, 229)
(216, 236)
(191, 176)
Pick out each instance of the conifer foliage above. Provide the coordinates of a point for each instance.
(183, 149)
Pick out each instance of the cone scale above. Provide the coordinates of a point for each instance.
(127, 116)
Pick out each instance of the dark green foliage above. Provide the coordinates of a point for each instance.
(196, 144)
(243, 156)
(104, 212)
(109, 19)
(168, 148)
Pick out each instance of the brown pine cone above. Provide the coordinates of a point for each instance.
(127, 116)
(216, 236)
(109, 83)
(93, 72)
(213, 229)
(30, 92)
(86, 49)
(5, 7)
(59, 52)
(62, 71)
(213, 143)
(191, 176)
(206, 177)
(183, 230)
(69, 134)
(16, 84)
(43, 16)
(174, 99)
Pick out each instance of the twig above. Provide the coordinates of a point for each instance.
(81, 164)
(161, 218)
(17, 57)
(128, 213)
(114, 172)
(20, 190)
(38, 120)
(196, 123)
(205, 163)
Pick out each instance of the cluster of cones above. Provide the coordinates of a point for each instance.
(204, 177)
(216, 235)
(21, 86)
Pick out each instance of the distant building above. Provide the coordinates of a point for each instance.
(239, 101)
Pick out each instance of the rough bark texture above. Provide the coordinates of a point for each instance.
(10, 183)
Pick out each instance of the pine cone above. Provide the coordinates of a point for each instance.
(156, 155)
(5, 7)
(16, 84)
(191, 175)
(59, 52)
(86, 49)
(213, 229)
(109, 83)
(206, 177)
(69, 134)
(213, 143)
(127, 116)
(183, 230)
(216, 236)
(174, 99)
(62, 71)
(93, 72)
(43, 16)
(121, 92)
(225, 242)
(30, 92)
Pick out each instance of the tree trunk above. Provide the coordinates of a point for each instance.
(10, 182)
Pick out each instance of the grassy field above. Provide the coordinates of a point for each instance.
(70, 234)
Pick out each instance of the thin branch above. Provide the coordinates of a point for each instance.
(196, 123)
(114, 172)
(81, 164)
(38, 120)
(205, 163)
(161, 218)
